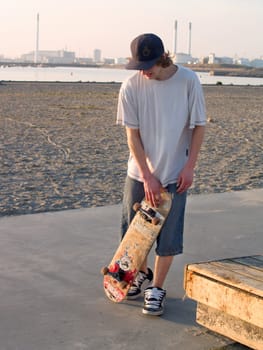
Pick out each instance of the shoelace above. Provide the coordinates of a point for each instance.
(153, 297)
(138, 281)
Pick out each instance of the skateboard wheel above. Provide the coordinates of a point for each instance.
(104, 270)
(155, 221)
(136, 206)
(123, 284)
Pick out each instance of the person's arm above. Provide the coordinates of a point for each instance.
(186, 176)
(152, 186)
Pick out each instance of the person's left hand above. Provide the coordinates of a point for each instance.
(185, 179)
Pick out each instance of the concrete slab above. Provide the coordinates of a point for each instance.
(51, 295)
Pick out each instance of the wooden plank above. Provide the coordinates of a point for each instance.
(229, 277)
(230, 326)
(224, 297)
(259, 257)
(252, 261)
(240, 269)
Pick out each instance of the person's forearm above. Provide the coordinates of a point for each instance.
(186, 176)
(137, 151)
(197, 139)
(152, 186)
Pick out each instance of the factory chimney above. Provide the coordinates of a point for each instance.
(189, 38)
(37, 40)
(175, 38)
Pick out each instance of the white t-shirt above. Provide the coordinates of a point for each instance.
(165, 112)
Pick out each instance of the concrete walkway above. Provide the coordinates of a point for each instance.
(51, 295)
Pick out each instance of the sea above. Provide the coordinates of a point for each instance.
(102, 75)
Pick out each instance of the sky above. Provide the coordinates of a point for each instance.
(224, 27)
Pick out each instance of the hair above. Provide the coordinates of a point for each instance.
(165, 60)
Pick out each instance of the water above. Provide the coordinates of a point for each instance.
(76, 74)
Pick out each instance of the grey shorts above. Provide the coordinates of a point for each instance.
(170, 239)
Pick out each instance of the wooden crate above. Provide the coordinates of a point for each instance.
(229, 295)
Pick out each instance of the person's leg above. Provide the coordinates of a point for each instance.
(133, 193)
(170, 239)
(154, 296)
(169, 244)
(161, 268)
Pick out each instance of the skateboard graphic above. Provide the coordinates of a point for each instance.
(134, 248)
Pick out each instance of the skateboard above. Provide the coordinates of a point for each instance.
(134, 248)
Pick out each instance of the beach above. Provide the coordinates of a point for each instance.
(60, 147)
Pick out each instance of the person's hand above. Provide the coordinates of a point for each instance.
(153, 189)
(185, 179)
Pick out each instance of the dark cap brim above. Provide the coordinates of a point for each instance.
(140, 65)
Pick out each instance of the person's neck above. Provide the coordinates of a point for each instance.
(168, 72)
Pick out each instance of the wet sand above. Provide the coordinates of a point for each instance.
(60, 148)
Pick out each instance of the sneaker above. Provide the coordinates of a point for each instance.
(141, 281)
(154, 301)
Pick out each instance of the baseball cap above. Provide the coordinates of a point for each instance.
(146, 49)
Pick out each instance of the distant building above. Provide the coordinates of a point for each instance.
(257, 63)
(226, 60)
(203, 60)
(212, 59)
(182, 58)
(241, 61)
(49, 56)
(4, 59)
(84, 60)
(121, 60)
(97, 55)
(109, 60)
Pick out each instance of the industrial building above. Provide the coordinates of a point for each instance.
(181, 57)
(49, 56)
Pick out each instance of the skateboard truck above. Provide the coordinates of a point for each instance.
(148, 213)
(119, 276)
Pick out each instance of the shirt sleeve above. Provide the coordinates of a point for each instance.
(127, 111)
(196, 100)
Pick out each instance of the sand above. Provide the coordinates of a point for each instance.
(60, 148)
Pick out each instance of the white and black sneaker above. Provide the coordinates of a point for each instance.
(154, 301)
(141, 281)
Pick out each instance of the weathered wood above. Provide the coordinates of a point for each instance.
(240, 269)
(255, 261)
(236, 275)
(230, 326)
(227, 298)
(229, 293)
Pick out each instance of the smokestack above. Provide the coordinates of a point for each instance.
(189, 38)
(175, 37)
(37, 40)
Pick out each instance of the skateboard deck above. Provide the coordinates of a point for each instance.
(134, 248)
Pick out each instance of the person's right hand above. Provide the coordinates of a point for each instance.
(153, 189)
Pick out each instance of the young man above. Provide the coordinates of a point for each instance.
(162, 107)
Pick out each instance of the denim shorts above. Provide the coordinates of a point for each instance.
(170, 239)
